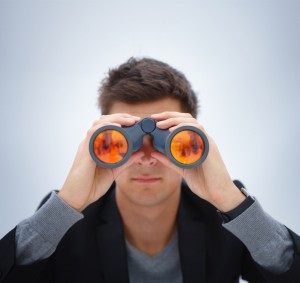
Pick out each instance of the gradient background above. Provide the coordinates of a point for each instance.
(242, 58)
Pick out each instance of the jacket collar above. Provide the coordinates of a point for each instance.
(111, 242)
(191, 236)
(112, 247)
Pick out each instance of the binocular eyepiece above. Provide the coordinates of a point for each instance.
(111, 146)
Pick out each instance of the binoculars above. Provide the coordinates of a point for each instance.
(111, 146)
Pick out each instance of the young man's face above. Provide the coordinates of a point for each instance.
(147, 182)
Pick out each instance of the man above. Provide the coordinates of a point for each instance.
(149, 220)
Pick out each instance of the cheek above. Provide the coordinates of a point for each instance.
(172, 176)
(122, 177)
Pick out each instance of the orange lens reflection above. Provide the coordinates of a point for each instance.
(110, 146)
(187, 147)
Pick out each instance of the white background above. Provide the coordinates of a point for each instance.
(242, 58)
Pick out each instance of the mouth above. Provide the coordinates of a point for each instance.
(146, 179)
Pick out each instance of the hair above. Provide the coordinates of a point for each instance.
(145, 80)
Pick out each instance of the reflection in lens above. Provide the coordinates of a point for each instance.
(110, 146)
(187, 147)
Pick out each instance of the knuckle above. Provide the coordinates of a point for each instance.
(90, 132)
(99, 119)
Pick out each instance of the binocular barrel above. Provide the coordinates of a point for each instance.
(111, 146)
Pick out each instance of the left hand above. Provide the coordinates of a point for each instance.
(211, 180)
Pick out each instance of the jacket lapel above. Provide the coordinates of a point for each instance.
(111, 243)
(112, 247)
(191, 236)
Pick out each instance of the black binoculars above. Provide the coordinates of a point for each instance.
(111, 146)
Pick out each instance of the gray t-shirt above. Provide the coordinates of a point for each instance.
(163, 267)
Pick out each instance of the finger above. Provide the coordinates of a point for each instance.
(120, 118)
(119, 115)
(196, 125)
(170, 122)
(93, 129)
(169, 114)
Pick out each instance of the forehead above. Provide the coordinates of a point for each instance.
(147, 108)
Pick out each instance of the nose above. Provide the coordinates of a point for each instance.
(147, 148)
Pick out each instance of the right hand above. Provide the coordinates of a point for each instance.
(87, 182)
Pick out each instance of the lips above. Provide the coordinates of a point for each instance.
(146, 179)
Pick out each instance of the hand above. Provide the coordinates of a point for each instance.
(211, 180)
(86, 181)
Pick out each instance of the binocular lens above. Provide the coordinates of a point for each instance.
(187, 147)
(110, 146)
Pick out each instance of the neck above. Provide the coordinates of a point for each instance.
(149, 228)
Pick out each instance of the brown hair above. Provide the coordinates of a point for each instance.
(146, 80)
